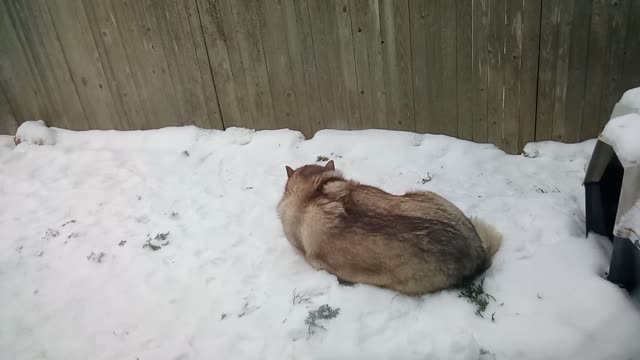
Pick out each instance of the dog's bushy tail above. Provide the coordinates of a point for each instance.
(490, 237)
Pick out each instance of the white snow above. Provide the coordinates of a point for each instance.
(629, 103)
(77, 282)
(6, 142)
(623, 134)
(629, 224)
(35, 132)
(622, 131)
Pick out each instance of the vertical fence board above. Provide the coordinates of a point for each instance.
(396, 50)
(81, 54)
(274, 39)
(447, 15)
(420, 65)
(613, 85)
(435, 67)
(216, 37)
(495, 94)
(577, 70)
(323, 30)
(338, 86)
(109, 44)
(148, 64)
(46, 58)
(441, 62)
(529, 71)
(631, 74)
(303, 65)
(253, 58)
(464, 68)
(512, 71)
(596, 69)
(210, 96)
(167, 65)
(21, 85)
(347, 75)
(359, 10)
(182, 60)
(480, 68)
(565, 22)
(376, 64)
(547, 68)
(244, 95)
(8, 122)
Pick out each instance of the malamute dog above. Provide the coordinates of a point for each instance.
(415, 243)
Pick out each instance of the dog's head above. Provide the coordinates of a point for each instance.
(308, 180)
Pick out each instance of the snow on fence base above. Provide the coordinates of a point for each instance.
(612, 190)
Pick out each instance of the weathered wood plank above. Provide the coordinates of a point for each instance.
(210, 96)
(46, 59)
(464, 66)
(347, 75)
(512, 63)
(419, 65)
(338, 87)
(547, 69)
(274, 40)
(565, 23)
(359, 30)
(254, 64)
(21, 85)
(365, 23)
(148, 64)
(323, 28)
(529, 71)
(397, 64)
(376, 65)
(596, 69)
(577, 70)
(169, 41)
(220, 40)
(303, 65)
(613, 86)
(480, 68)
(81, 54)
(631, 74)
(8, 122)
(449, 119)
(109, 44)
(175, 34)
(433, 63)
(495, 94)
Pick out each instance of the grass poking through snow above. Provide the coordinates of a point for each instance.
(324, 312)
(475, 294)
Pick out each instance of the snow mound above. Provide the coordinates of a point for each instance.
(35, 132)
(629, 103)
(558, 151)
(623, 134)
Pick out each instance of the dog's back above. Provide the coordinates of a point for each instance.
(415, 243)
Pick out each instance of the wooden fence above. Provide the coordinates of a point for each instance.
(500, 71)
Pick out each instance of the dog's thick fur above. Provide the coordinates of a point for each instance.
(415, 243)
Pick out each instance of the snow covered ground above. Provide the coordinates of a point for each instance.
(165, 244)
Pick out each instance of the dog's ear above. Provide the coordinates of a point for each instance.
(330, 165)
(289, 171)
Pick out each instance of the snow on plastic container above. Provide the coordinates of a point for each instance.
(612, 189)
